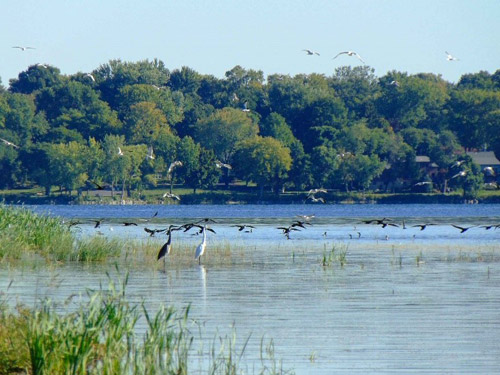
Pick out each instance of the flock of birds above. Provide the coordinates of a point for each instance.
(309, 52)
(302, 222)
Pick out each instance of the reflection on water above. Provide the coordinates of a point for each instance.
(417, 302)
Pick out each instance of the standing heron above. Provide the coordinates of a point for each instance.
(200, 250)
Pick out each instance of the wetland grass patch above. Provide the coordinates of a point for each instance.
(100, 336)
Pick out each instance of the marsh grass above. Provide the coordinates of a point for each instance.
(22, 231)
(337, 254)
(100, 336)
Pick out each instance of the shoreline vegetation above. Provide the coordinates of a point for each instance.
(240, 195)
(98, 334)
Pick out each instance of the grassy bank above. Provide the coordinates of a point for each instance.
(25, 235)
(100, 336)
(236, 194)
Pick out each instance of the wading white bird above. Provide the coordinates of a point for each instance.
(23, 48)
(450, 57)
(9, 143)
(309, 52)
(200, 250)
(350, 53)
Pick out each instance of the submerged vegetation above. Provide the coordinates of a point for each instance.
(101, 336)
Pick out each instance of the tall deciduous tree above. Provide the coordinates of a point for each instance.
(222, 131)
(263, 160)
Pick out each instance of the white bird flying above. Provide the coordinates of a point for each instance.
(23, 48)
(450, 57)
(460, 174)
(245, 107)
(172, 196)
(309, 52)
(219, 164)
(120, 152)
(150, 154)
(394, 83)
(173, 165)
(90, 76)
(9, 143)
(314, 191)
(350, 53)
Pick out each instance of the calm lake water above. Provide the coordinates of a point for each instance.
(407, 301)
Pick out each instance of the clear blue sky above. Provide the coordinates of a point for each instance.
(212, 36)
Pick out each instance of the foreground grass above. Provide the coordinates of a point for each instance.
(100, 336)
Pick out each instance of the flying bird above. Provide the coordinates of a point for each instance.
(245, 107)
(462, 229)
(219, 165)
(173, 165)
(315, 191)
(23, 48)
(394, 83)
(9, 143)
(458, 163)
(150, 154)
(90, 76)
(315, 200)
(350, 53)
(171, 196)
(310, 53)
(422, 226)
(120, 152)
(241, 227)
(460, 174)
(450, 57)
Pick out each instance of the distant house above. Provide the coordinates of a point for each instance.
(425, 164)
(488, 162)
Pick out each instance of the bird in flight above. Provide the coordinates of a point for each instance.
(310, 53)
(23, 48)
(171, 195)
(462, 229)
(394, 83)
(172, 165)
(450, 57)
(120, 152)
(9, 143)
(150, 153)
(460, 174)
(350, 53)
(219, 165)
(245, 107)
(90, 76)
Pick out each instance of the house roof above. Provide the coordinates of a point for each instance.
(422, 159)
(484, 158)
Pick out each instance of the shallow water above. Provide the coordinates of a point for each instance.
(417, 302)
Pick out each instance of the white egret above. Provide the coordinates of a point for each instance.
(120, 152)
(350, 53)
(200, 250)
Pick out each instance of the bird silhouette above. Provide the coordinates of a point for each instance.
(310, 53)
(9, 143)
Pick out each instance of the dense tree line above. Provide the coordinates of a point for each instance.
(124, 123)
